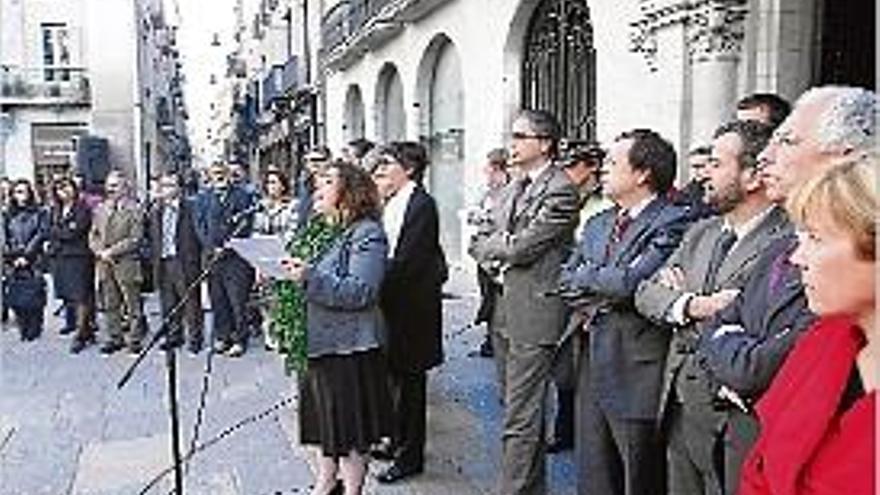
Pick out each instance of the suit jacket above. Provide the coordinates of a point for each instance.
(342, 292)
(220, 217)
(808, 443)
(118, 227)
(186, 240)
(626, 350)
(771, 312)
(529, 244)
(411, 294)
(69, 231)
(693, 256)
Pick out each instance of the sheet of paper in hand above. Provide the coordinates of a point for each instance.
(263, 252)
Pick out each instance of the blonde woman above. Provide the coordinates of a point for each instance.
(817, 418)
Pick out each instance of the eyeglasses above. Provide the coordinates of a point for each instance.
(523, 135)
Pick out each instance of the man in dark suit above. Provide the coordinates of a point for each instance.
(176, 261)
(410, 299)
(225, 211)
(619, 248)
(524, 244)
(750, 339)
(702, 276)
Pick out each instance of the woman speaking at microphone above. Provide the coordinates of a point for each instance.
(344, 396)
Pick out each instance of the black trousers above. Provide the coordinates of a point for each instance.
(172, 287)
(623, 456)
(30, 322)
(229, 286)
(408, 390)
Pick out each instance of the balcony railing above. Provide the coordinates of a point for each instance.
(44, 85)
(346, 18)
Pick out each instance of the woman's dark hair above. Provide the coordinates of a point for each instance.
(31, 199)
(410, 155)
(358, 196)
(282, 178)
(60, 182)
(360, 147)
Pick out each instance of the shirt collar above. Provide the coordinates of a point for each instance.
(749, 225)
(639, 207)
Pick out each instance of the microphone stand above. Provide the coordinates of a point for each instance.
(171, 352)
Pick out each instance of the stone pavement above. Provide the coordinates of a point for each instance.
(66, 429)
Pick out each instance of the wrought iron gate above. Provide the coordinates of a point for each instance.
(559, 66)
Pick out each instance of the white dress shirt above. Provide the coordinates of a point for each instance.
(393, 213)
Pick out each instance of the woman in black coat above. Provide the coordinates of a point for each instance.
(411, 299)
(73, 264)
(25, 229)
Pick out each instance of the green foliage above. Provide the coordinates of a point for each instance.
(289, 309)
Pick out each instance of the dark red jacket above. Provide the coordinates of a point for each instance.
(806, 445)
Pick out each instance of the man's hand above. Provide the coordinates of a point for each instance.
(702, 307)
(103, 255)
(672, 277)
(20, 262)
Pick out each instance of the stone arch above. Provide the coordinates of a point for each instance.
(390, 108)
(353, 120)
(440, 95)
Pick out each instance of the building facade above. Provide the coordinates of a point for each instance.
(453, 73)
(68, 76)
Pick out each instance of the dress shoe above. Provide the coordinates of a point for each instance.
(382, 452)
(237, 350)
(80, 343)
(111, 347)
(221, 346)
(194, 347)
(399, 472)
(134, 349)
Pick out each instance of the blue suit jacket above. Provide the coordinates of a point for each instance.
(627, 352)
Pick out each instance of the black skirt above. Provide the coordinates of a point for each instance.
(344, 403)
(74, 278)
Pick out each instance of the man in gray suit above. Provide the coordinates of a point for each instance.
(619, 248)
(524, 244)
(702, 276)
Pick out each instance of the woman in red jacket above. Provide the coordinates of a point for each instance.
(817, 418)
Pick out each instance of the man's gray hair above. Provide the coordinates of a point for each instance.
(848, 121)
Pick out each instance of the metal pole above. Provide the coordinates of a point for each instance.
(171, 367)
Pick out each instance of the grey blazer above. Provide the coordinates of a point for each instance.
(530, 244)
(655, 300)
(342, 291)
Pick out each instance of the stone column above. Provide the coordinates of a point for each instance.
(714, 37)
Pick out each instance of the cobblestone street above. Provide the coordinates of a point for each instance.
(66, 429)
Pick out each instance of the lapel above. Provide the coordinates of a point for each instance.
(639, 226)
(408, 215)
(531, 195)
(751, 246)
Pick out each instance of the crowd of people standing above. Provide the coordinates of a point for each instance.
(676, 325)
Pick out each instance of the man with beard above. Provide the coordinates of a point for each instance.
(702, 276)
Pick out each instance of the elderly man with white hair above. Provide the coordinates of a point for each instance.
(746, 343)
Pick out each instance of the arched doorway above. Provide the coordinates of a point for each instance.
(391, 119)
(440, 86)
(846, 43)
(559, 66)
(353, 123)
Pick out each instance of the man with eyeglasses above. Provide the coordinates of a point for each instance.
(702, 276)
(524, 244)
(749, 339)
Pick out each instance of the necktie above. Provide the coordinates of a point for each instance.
(521, 186)
(719, 253)
(622, 222)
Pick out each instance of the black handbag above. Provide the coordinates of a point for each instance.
(24, 290)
